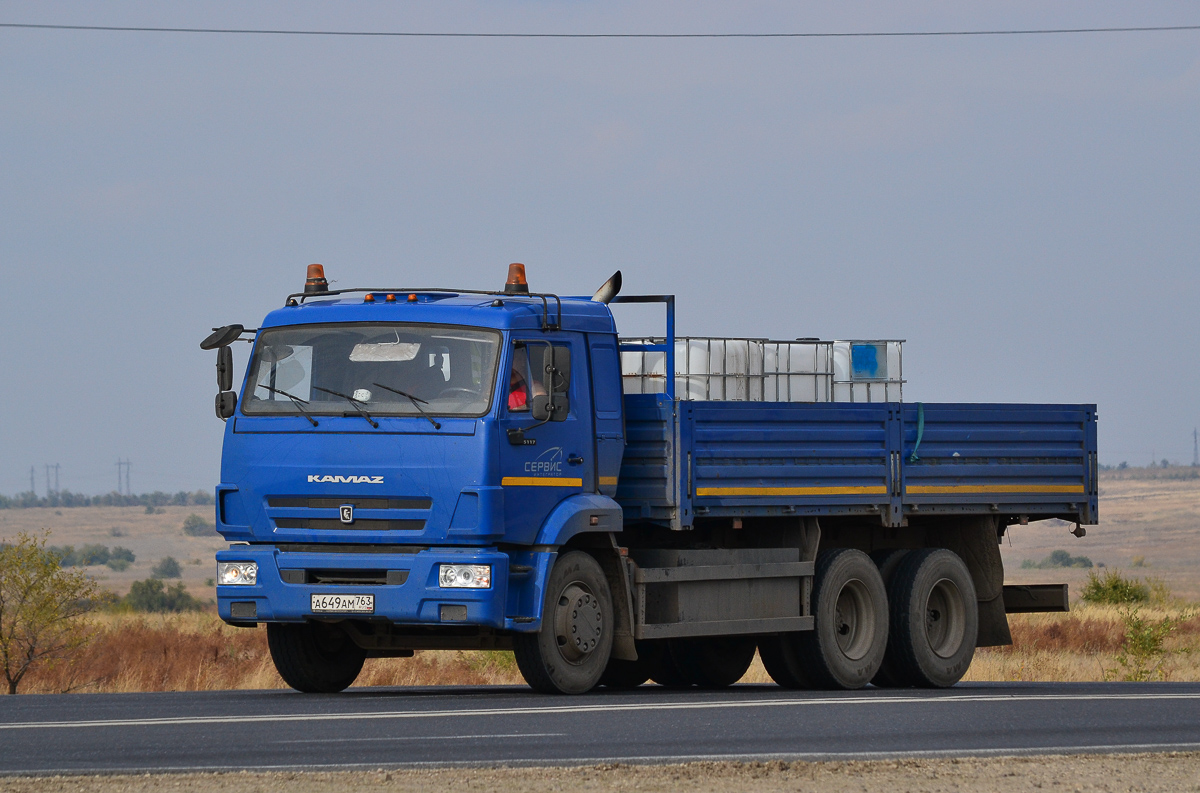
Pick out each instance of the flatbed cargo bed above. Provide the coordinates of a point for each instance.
(694, 459)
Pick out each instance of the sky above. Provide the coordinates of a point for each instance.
(1022, 210)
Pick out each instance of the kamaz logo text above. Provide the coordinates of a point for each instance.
(353, 480)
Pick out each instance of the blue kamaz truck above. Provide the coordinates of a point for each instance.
(409, 469)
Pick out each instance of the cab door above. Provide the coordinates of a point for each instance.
(543, 462)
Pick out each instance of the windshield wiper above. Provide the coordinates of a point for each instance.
(353, 403)
(415, 400)
(295, 401)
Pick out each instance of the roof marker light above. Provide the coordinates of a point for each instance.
(315, 281)
(390, 299)
(412, 298)
(516, 283)
(369, 298)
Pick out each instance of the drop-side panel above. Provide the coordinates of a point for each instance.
(1028, 459)
(648, 486)
(787, 458)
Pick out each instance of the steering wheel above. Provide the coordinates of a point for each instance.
(463, 393)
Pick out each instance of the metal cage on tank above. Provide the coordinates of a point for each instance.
(768, 370)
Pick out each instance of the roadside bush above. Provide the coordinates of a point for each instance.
(196, 526)
(167, 568)
(87, 556)
(41, 608)
(1142, 656)
(1059, 558)
(1112, 588)
(153, 595)
(120, 558)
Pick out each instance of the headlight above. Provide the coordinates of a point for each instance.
(465, 576)
(237, 573)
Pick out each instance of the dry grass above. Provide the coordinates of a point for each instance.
(1082, 646)
(197, 652)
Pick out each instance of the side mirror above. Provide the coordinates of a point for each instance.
(557, 369)
(221, 337)
(224, 369)
(544, 408)
(225, 403)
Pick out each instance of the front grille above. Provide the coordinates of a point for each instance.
(324, 502)
(345, 577)
(360, 524)
(297, 547)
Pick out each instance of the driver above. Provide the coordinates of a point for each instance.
(518, 391)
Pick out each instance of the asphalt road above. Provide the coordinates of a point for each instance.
(505, 725)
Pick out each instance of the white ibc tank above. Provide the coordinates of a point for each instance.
(763, 370)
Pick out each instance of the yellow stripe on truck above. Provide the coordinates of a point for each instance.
(856, 490)
(540, 481)
(608, 480)
(948, 490)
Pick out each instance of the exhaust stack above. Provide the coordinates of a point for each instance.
(609, 290)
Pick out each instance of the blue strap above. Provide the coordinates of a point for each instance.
(912, 457)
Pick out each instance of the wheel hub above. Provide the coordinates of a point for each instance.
(945, 618)
(854, 620)
(578, 622)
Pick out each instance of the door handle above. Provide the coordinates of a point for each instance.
(574, 459)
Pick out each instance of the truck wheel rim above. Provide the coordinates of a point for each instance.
(854, 620)
(945, 619)
(578, 623)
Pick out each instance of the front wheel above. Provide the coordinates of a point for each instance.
(569, 654)
(314, 657)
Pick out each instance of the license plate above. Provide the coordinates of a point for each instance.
(343, 604)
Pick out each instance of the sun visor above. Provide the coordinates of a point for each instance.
(384, 351)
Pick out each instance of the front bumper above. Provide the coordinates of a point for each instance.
(417, 601)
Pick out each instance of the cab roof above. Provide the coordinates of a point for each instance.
(487, 310)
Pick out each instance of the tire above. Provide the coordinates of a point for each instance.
(849, 637)
(778, 655)
(934, 619)
(622, 675)
(314, 657)
(712, 662)
(665, 669)
(887, 561)
(571, 651)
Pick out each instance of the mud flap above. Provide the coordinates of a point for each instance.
(620, 583)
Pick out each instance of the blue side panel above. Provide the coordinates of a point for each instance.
(648, 487)
(1012, 458)
(788, 458)
(888, 460)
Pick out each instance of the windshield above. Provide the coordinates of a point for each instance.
(385, 369)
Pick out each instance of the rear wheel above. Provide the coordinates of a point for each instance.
(314, 657)
(712, 662)
(570, 653)
(887, 561)
(934, 619)
(849, 638)
(623, 675)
